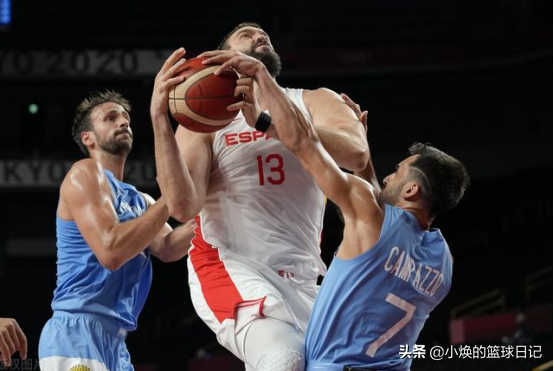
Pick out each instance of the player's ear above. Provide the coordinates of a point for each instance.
(411, 190)
(87, 137)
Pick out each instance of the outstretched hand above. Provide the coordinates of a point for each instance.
(165, 80)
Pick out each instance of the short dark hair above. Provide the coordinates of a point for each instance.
(443, 178)
(223, 44)
(81, 120)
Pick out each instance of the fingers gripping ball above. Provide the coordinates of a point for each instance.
(200, 102)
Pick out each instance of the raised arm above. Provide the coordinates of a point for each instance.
(173, 176)
(196, 150)
(301, 138)
(356, 198)
(337, 127)
(86, 198)
(368, 172)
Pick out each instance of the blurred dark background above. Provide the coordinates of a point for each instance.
(472, 77)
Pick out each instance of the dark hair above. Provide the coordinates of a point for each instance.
(223, 44)
(443, 178)
(81, 121)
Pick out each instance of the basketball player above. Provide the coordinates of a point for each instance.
(106, 234)
(391, 268)
(255, 259)
(12, 339)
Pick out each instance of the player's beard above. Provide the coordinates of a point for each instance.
(269, 58)
(117, 146)
(391, 194)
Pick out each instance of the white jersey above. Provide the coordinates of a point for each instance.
(261, 204)
(256, 250)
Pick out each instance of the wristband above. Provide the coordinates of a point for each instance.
(263, 122)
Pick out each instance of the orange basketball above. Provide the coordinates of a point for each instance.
(200, 102)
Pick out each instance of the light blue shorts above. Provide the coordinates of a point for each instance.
(83, 341)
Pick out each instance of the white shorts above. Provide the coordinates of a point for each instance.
(230, 291)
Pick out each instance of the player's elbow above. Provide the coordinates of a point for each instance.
(110, 261)
(108, 255)
(183, 214)
(185, 208)
(358, 158)
(177, 212)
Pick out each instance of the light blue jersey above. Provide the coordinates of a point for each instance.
(369, 306)
(87, 292)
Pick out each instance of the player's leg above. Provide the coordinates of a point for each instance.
(272, 345)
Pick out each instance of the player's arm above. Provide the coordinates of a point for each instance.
(86, 195)
(337, 127)
(357, 199)
(173, 175)
(368, 172)
(196, 150)
(349, 192)
(171, 244)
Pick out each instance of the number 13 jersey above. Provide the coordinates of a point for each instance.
(261, 203)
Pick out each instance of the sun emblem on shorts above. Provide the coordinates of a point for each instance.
(79, 368)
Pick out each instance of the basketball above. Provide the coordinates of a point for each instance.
(200, 102)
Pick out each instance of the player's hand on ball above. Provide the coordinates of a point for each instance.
(165, 80)
(249, 106)
(240, 62)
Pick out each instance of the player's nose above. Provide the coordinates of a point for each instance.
(261, 38)
(124, 122)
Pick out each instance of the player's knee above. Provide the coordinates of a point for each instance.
(279, 359)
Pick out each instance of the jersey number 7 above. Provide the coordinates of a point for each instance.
(403, 305)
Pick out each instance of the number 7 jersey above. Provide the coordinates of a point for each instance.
(261, 203)
(371, 306)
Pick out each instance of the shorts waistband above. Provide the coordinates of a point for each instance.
(107, 324)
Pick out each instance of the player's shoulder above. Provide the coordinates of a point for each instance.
(83, 171)
(319, 93)
(320, 97)
(86, 165)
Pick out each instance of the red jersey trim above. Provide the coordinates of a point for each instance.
(218, 289)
